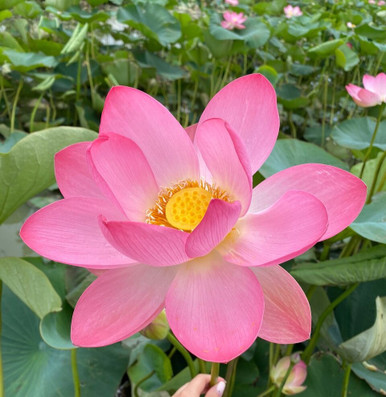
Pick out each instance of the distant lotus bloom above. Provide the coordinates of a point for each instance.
(290, 11)
(173, 220)
(232, 2)
(374, 92)
(298, 374)
(381, 3)
(372, 1)
(349, 45)
(233, 20)
(350, 25)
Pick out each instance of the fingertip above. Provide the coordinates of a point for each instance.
(217, 390)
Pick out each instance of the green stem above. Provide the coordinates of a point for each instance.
(214, 372)
(173, 340)
(1, 357)
(367, 155)
(33, 113)
(346, 380)
(148, 376)
(374, 183)
(266, 392)
(4, 94)
(178, 99)
(14, 106)
(230, 377)
(325, 253)
(75, 375)
(289, 350)
(325, 91)
(311, 346)
(201, 366)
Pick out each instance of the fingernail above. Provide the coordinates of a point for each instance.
(220, 387)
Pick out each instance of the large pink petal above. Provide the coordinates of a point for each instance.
(227, 160)
(151, 244)
(287, 314)
(342, 193)
(118, 304)
(124, 173)
(73, 173)
(368, 98)
(286, 229)
(218, 221)
(380, 88)
(167, 147)
(370, 82)
(248, 104)
(67, 231)
(215, 308)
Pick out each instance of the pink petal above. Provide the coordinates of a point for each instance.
(287, 314)
(191, 131)
(226, 159)
(166, 146)
(286, 229)
(124, 173)
(218, 221)
(151, 244)
(353, 90)
(370, 82)
(367, 98)
(73, 173)
(380, 88)
(118, 304)
(248, 104)
(215, 308)
(342, 193)
(67, 231)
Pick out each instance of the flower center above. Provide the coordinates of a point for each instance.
(186, 208)
(183, 205)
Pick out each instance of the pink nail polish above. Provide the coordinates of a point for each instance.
(220, 388)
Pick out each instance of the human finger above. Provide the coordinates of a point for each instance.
(216, 390)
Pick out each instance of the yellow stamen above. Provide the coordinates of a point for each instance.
(186, 208)
(183, 205)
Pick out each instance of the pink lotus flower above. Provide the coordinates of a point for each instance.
(381, 3)
(372, 1)
(374, 92)
(233, 20)
(290, 11)
(232, 2)
(298, 374)
(175, 223)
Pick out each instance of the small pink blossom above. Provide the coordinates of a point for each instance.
(169, 219)
(349, 45)
(232, 2)
(290, 11)
(233, 20)
(381, 3)
(351, 25)
(297, 376)
(372, 1)
(373, 93)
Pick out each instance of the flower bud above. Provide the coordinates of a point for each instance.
(158, 328)
(298, 374)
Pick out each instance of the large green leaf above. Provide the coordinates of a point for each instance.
(255, 34)
(371, 169)
(369, 343)
(152, 360)
(366, 266)
(356, 133)
(346, 58)
(325, 49)
(27, 168)
(154, 21)
(373, 372)
(290, 152)
(29, 60)
(325, 378)
(32, 368)
(30, 284)
(371, 222)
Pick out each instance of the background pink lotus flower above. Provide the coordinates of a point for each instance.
(372, 1)
(175, 223)
(233, 20)
(374, 92)
(290, 11)
(232, 2)
(297, 376)
(381, 3)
